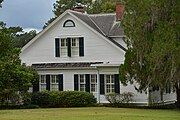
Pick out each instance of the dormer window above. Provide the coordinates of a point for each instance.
(69, 23)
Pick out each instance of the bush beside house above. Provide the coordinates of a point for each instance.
(63, 99)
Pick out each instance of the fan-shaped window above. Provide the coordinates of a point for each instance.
(69, 23)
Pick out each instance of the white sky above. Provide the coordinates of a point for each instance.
(28, 14)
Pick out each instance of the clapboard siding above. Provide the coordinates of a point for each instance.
(95, 47)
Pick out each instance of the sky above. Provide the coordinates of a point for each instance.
(28, 14)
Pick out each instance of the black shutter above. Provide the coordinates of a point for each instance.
(36, 86)
(76, 83)
(87, 83)
(69, 46)
(81, 46)
(57, 47)
(117, 84)
(60, 78)
(47, 82)
(102, 85)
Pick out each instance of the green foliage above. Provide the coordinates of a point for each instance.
(62, 5)
(152, 35)
(22, 39)
(115, 98)
(91, 7)
(134, 105)
(1, 3)
(63, 99)
(14, 77)
(17, 35)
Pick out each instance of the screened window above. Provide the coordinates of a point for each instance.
(82, 83)
(67, 47)
(42, 82)
(54, 83)
(75, 46)
(93, 81)
(63, 47)
(109, 83)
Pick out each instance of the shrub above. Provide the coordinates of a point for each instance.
(134, 105)
(63, 99)
(11, 106)
(125, 97)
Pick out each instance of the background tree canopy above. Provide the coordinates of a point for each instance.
(91, 7)
(153, 56)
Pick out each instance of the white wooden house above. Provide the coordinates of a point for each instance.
(83, 52)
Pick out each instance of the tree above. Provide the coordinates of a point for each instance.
(19, 37)
(152, 35)
(97, 6)
(22, 39)
(14, 77)
(62, 5)
(1, 3)
(103, 6)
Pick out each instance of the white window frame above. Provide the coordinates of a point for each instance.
(55, 83)
(93, 83)
(75, 47)
(42, 83)
(82, 83)
(110, 83)
(63, 47)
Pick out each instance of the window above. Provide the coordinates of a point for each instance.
(82, 83)
(75, 46)
(63, 47)
(54, 83)
(69, 23)
(42, 82)
(93, 81)
(67, 47)
(109, 84)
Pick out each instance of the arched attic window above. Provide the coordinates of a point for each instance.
(69, 23)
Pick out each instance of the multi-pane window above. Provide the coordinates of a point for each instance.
(63, 47)
(75, 46)
(42, 82)
(109, 83)
(82, 81)
(54, 82)
(69, 47)
(93, 81)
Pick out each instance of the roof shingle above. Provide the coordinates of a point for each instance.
(64, 65)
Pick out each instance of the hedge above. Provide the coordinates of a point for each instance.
(63, 99)
(133, 105)
(3, 107)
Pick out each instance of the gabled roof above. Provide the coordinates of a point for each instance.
(104, 24)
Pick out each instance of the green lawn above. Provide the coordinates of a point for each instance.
(97, 113)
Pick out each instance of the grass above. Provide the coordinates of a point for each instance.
(96, 113)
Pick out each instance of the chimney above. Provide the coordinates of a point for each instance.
(120, 10)
(79, 9)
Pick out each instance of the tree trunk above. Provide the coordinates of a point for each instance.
(178, 97)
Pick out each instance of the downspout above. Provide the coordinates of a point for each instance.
(98, 86)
